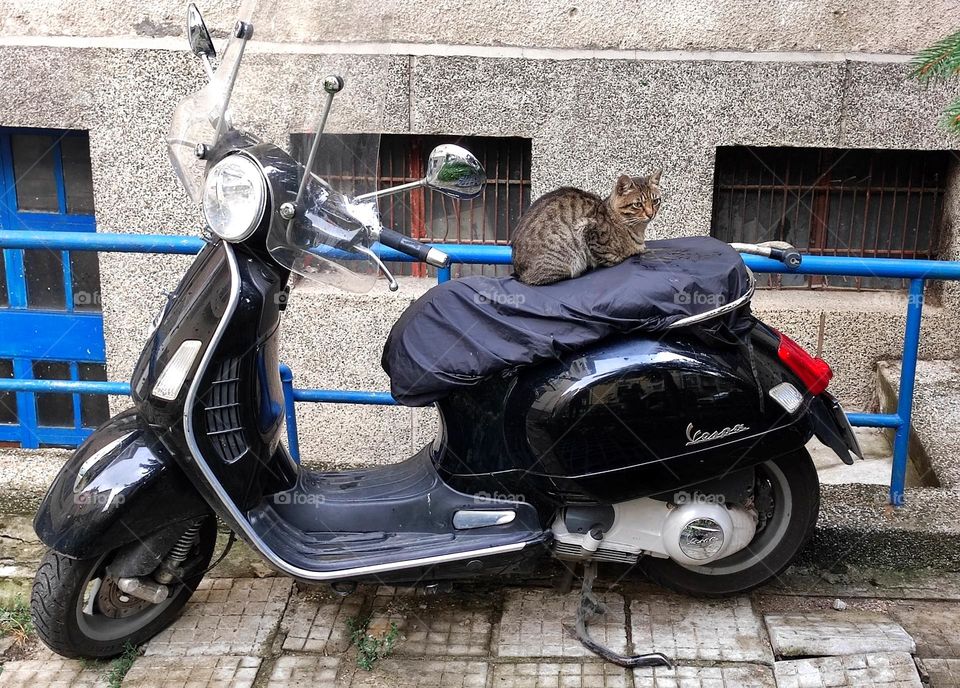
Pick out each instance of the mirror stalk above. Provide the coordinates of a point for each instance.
(244, 32)
(409, 186)
(207, 66)
(451, 170)
(332, 85)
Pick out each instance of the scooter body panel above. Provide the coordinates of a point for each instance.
(238, 438)
(628, 418)
(120, 486)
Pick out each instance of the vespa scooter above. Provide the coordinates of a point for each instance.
(618, 417)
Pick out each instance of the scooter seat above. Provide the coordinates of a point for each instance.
(465, 330)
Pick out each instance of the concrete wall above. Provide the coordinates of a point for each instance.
(594, 102)
(886, 26)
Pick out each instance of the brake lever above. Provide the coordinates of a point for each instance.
(376, 259)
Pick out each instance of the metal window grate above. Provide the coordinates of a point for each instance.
(834, 202)
(423, 214)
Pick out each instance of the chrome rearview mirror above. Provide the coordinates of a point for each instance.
(451, 170)
(454, 171)
(201, 42)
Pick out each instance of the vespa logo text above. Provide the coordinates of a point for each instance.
(700, 436)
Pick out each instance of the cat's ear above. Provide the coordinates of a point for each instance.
(655, 177)
(623, 185)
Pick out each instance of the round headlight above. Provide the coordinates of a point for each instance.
(234, 197)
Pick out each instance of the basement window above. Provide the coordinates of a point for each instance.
(50, 314)
(427, 215)
(831, 202)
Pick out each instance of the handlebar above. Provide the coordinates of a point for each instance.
(786, 254)
(789, 257)
(413, 248)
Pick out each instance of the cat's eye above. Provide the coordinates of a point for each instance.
(656, 201)
(637, 204)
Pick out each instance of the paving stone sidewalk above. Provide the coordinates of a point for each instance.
(270, 632)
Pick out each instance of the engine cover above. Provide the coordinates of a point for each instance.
(692, 534)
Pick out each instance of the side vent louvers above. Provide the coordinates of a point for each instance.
(565, 550)
(222, 412)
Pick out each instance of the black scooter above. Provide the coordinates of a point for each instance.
(668, 433)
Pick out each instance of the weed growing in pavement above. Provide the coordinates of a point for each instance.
(371, 649)
(88, 663)
(15, 621)
(121, 665)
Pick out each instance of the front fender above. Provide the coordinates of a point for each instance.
(121, 485)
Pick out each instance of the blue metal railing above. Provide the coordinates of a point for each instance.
(917, 271)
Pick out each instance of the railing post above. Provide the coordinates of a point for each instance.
(444, 274)
(908, 372)
(290, 410)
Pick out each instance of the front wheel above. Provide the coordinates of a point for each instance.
(787, 492)
(79, 611)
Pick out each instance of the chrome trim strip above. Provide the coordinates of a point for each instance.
(720, 310)
(465, 519)
(248, 532)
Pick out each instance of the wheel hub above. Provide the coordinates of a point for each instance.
(116, 604)
(701, 539)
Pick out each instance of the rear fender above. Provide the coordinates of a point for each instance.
(831, 427)
(120, 486)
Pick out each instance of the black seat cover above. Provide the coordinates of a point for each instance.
(464, 330)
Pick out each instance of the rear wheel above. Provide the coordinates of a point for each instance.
(79, 611)
(787, 498)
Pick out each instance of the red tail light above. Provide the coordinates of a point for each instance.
(814, 372)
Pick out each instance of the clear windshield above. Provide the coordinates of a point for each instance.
(270, 88)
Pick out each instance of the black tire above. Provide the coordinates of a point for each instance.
(73, 626)
(796, 498)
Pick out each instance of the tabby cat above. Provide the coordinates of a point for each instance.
(569, 231)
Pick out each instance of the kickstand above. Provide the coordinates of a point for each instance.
(592, 608)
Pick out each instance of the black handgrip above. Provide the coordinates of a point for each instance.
(789, 257)
(414, 248)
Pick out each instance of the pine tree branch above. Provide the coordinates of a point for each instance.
(940, 61)
(951, 117)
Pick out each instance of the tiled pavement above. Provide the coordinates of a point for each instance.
(707, 630)
(268, 633)
(880, 670)
(533, 622)
(829, 633)
(226, 617)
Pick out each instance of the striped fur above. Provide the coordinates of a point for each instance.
(568, 231)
